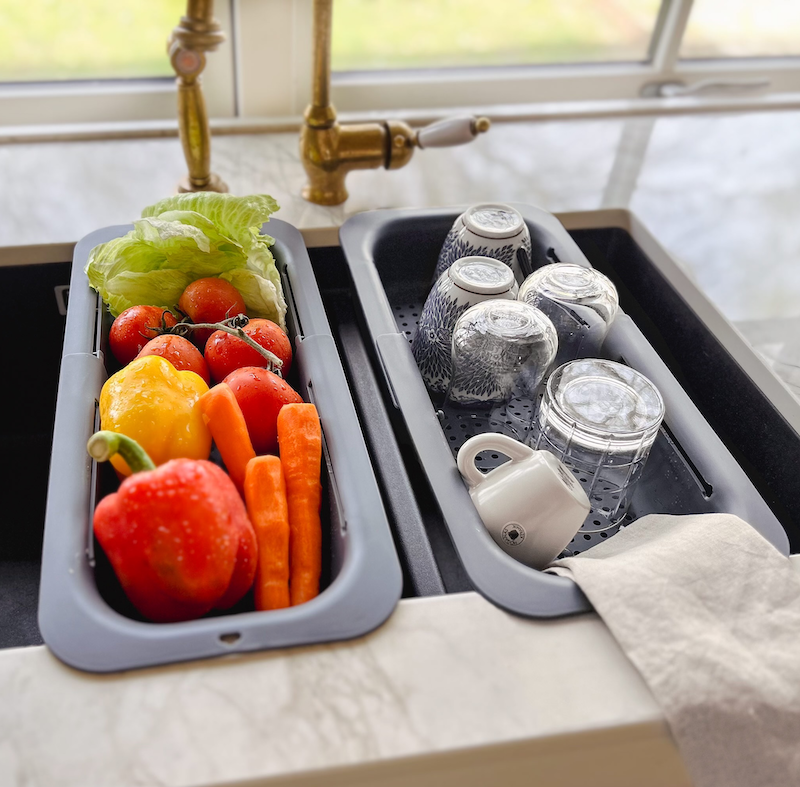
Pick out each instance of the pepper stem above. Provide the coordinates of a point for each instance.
(104, 444)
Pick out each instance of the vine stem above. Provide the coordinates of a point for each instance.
(234, 327)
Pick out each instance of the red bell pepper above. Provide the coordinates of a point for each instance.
(178, 536)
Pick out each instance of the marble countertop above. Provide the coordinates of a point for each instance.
(451, 689)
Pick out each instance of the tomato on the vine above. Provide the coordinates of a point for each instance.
(180, 352)
(225, 352)
(134, 327)
(210, 300)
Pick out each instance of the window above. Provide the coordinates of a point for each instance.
(93, 61)
(48, 40)
(742, 28)
(386, 34)
(571, 50)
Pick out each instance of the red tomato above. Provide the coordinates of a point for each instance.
(134, 328)
(180, 352)
(261, 394)
(225, 352)
(210, 300)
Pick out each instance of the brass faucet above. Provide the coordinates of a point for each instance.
(329, 150)
(197, 33)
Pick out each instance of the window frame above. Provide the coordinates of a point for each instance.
(255, 77)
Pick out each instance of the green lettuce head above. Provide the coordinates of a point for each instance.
(188, 237)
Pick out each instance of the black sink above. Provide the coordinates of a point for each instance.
(32, 301)
(32, 298)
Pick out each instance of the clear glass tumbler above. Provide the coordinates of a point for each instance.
(581, 303)
(501, 351)
(601, 419)
(466, 282)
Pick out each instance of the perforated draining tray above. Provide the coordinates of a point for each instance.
(391, 256)
(459, 424)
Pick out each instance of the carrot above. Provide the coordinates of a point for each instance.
(223, 416)
(300, 444)
(265, 496)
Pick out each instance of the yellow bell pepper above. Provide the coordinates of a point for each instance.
(153, 403)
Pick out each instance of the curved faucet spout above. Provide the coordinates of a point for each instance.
(330, 150)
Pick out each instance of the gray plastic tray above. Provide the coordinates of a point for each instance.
(81, 615)
(391, 255)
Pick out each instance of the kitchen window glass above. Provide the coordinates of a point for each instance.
(413, 34)
(56, 40)
(742, 28)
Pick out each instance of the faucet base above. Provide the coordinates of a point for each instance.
(215, 183)
(324, 196)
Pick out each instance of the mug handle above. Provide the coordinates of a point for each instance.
(512, 448)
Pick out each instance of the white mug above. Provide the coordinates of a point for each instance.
(532, 506)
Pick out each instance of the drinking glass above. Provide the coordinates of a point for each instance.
(466, 282)
(601, 419)
(501, 351)
(581, 303)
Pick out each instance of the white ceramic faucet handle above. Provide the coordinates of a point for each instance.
(451, 131)
(489, 441)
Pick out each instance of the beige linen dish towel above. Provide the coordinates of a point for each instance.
(709, 613)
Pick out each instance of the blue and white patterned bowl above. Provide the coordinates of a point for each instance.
(488, 230)
(467, 281)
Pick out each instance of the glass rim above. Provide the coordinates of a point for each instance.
(594, 436)
(545, 330)
(594, 284)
